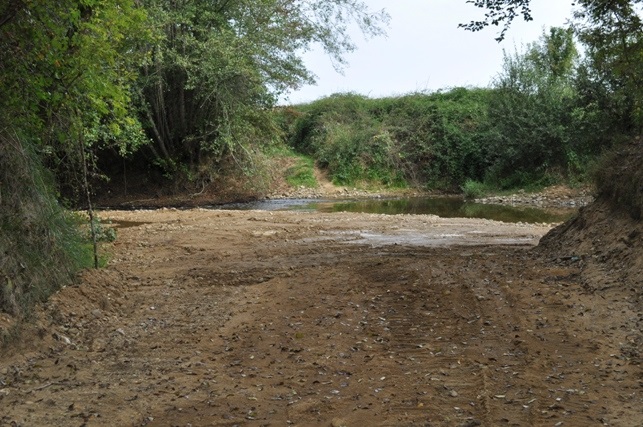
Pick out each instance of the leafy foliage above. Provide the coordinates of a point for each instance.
(499, 12)
(65, 70)
(433, 140)
(67, 65)
(532, 111)
(448, 146)
(612, 31)
(613, 34)
(219, 65)
(547, 117)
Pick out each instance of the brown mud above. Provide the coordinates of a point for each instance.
(225, 318)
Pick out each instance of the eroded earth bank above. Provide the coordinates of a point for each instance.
(224, 318)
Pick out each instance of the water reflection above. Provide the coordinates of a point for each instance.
(446, 207)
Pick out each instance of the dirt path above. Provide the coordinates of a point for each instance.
(208, 318)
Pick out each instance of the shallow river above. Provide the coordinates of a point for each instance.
(446, 207)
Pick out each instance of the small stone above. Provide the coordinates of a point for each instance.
(453, 393)
(338, 422)
(62, 338)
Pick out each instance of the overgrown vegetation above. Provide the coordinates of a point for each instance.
(40, 245)
(545, 119)
(416, 139)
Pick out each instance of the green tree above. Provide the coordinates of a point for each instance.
(69, 64)
(219, 66)
(612, 31)
(613, 34)
(532, 110)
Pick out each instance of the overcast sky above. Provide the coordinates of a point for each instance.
(425, 50)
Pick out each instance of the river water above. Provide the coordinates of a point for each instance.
(446, 207)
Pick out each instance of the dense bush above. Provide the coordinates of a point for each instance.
(422, 139)
(342, 134)
(444, 135)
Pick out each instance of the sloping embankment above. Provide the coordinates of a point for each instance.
(605, 240)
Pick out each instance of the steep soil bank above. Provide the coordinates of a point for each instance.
(606, 245)
(601, 239)
(605, 240)
(208, 318)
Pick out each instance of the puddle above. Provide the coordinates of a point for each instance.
(426, 238)
(445, 207)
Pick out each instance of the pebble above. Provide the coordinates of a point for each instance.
(338, 422)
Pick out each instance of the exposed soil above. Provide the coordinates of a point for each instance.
(224, 318)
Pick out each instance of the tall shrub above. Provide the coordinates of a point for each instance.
(532, 111)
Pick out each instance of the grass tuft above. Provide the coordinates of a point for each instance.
(302, 174)
(474, 190)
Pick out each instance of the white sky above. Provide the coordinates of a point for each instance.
(425, 50)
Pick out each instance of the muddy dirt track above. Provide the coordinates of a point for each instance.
(216, 318)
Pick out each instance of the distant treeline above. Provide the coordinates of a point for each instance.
(545, 119)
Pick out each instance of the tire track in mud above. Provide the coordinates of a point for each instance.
(431, 320)
(474, 349)
(410, 337)
(240, 319)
